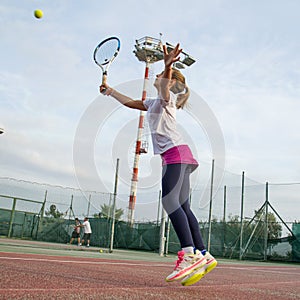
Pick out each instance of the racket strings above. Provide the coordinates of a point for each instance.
(106, 52)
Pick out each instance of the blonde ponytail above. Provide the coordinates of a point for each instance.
(183, 98)
(179, 87)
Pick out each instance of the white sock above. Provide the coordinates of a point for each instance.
(189, 250)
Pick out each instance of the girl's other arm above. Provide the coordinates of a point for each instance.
(127, 101)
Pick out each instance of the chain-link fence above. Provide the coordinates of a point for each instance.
(241, 219)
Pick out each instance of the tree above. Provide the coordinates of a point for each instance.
(231, 230)
(274, 228)
(253, 232)
(106, 212)
(53, 212)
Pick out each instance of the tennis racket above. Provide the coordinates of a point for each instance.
(105, 53)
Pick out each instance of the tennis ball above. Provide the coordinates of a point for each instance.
(38, 13)
(100, 250)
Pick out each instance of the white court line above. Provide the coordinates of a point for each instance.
(255, 269)
(261, 269)
(6, 290)
(232, 285)
(61, 289)
(82, 262)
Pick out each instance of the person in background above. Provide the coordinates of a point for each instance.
(87, 232)
(76, 232)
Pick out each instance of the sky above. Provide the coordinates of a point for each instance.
(246, 82)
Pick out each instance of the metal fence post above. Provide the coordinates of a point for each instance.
(242, 216)
(224, 222)
(266, 229)
(162, 237)
(12, 216)
(210, 204)
(114, 209)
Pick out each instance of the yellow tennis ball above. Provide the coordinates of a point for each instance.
(100, 250)
(38, 13)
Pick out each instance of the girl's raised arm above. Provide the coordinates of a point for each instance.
(169, 59)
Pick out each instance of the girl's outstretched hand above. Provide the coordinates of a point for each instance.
(171, 57)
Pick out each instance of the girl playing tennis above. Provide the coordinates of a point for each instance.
(178, 163)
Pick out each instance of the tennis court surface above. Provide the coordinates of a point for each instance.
(35, 270)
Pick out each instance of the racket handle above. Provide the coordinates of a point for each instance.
(104, 78)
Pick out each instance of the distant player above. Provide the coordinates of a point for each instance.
(178, 163)
(76, 232)
(87, 232)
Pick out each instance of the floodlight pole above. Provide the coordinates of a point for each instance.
(134, 180)
(148, 50)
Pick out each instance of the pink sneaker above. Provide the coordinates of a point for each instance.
(195, 276)
(186, 264)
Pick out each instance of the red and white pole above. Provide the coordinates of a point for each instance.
(134, 180)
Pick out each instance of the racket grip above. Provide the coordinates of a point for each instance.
(104, 79)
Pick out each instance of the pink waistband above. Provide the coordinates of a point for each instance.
(181, 154)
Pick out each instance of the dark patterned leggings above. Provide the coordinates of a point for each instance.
(175, 200)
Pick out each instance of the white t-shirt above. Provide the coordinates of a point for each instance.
(87, 227)
(161, 116)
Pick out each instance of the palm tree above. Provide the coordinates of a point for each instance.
(106, 212)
